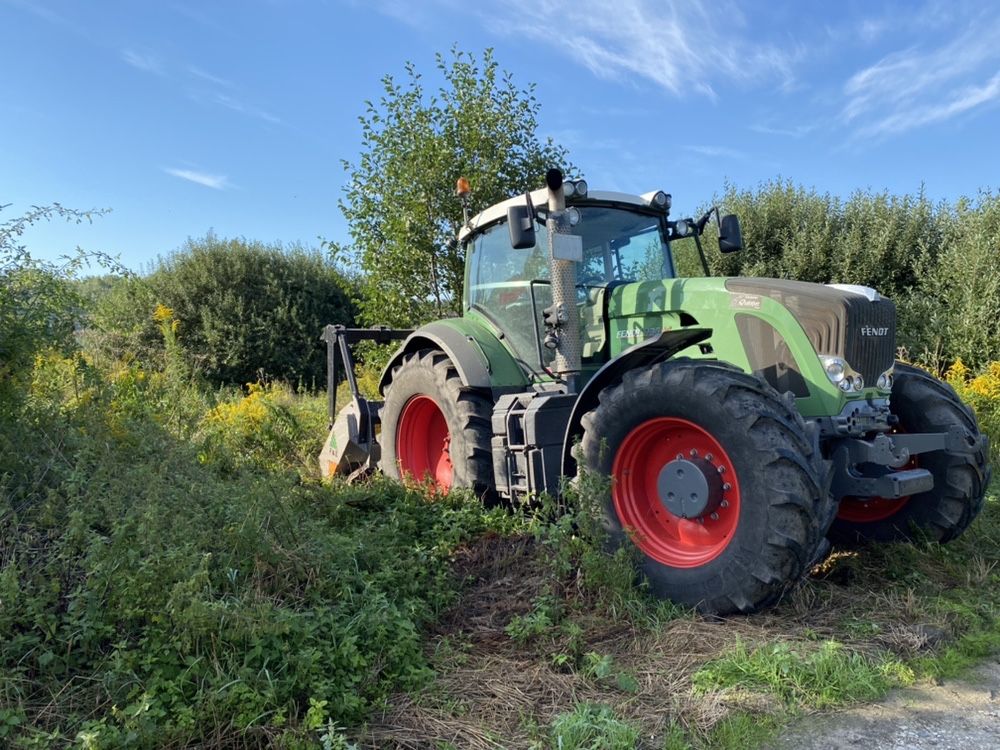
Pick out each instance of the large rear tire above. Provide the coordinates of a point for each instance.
(923, 404)
(434, 429)
(714, 480)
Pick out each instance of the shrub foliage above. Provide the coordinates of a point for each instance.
(157, 591)
(244, 310)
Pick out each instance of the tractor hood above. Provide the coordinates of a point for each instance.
(781, 330)
(851, 322)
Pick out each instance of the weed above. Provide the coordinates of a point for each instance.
(148, 598)
(593, 727)
(675, 738)
(740, 730)
(545, 614)
(602, 668)
(804, 675)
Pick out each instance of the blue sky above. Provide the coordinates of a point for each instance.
(183, 116)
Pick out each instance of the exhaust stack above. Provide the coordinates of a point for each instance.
(562, 321)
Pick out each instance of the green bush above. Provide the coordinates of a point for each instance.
(876, 239)
(245, 310)
(957, 312)
(165, 578)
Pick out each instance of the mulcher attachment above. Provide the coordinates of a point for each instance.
(351, 447)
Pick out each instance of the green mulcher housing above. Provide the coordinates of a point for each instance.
(743, 422)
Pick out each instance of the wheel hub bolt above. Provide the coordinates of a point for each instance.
(694, 452)
(714, 516)
(727, 486)
(724, 504)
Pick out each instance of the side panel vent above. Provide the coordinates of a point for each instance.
(769, 355)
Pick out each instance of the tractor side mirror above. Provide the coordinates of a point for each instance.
(521, 224)
(730, 235)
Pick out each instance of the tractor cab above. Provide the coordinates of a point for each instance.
(623, 239)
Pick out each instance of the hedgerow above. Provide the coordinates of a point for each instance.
(935, 260)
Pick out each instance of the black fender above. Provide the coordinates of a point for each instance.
(462, 349)
(649, 352)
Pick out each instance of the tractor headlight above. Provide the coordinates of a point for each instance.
(661, 200)
(572, 216)
(842, 374)
(580, 188)
(885, 381)
(836, 368)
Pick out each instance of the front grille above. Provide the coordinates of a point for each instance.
(838, 323)
(870, 347)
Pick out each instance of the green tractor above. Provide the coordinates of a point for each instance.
(743, 421)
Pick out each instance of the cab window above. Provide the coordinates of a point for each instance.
(618, 245)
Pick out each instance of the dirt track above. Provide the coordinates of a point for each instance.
(956, 715)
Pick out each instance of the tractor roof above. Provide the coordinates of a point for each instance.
(540, 198)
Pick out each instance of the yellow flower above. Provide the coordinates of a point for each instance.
(958, 372)
(162, 313)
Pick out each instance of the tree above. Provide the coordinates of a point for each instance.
(400, 199)
(244, 310)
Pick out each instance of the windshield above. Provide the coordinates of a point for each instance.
(618, 245)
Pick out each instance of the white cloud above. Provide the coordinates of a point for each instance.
(245, 109)
(144, 62)
(203, 75)
(214, 181)
(871, 29)
(681, 46)
(961, 101)
(918, 86)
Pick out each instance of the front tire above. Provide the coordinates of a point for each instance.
(434, 429)
(923, 404)
(714, 480)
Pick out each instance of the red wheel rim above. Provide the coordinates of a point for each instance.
(423, 443)
(872, 509)
(665, 537)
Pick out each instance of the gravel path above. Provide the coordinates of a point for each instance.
(956, 715)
